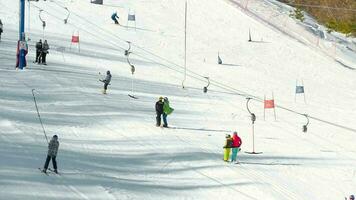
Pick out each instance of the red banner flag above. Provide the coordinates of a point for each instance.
(75, 39)
(269, 104)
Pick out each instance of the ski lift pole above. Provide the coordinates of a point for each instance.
(185, 45)
(43, 23)
(66, 19)
(205, 89)
(21, 57)
(305, 127)
(38, 114)
(253, 119)
(127, 52)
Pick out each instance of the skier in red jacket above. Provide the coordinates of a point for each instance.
(236, 143)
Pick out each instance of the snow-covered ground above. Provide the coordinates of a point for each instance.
(109, 145)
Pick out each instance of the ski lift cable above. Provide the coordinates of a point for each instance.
(95, 35)
(201, 78)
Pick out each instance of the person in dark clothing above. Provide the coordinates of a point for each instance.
(45, 48)
(38, 51)
(106, 81)
(1, 28)
(52, 154)
(114, 17)
(159, 111)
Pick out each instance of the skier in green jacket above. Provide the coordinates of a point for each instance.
(166, 111)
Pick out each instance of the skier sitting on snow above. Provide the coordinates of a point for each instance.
(106, 81)
(236, 143)
(166, 111)
(159, 111)
(227, 147)
(52, 154)
(114, 17)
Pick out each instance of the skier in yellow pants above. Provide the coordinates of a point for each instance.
(227, 147)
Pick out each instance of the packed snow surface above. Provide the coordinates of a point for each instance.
(110, 147)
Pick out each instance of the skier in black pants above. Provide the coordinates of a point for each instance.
(38, 51)
(106, 81)
(44, 52)
(159, 111)
(52, 154)
(1, 28)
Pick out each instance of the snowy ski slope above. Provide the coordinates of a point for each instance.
(109, 145)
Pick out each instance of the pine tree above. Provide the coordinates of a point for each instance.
(298, 14)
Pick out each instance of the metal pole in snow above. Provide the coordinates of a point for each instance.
(21, 34)
(185, 46)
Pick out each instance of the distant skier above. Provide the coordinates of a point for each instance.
(236, 143)
(44, 52)
(115, 18)
(1, 29)
(227, 147)
(38, 51)
(52, 154)
(159, 111)
(106, 81)
(167, 110)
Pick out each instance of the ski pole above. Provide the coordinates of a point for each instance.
(39, 116)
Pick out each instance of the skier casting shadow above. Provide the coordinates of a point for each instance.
(159, 111)
(1, 28)
(115, 18)
(52, 154)
(106, 81)
(167, 110)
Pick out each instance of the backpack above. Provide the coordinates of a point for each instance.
(228, 143)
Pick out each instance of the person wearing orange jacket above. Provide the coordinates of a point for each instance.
(236, 143)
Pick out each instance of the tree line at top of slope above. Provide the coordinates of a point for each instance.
(336, 15)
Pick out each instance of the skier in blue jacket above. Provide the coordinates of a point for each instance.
(114, 17)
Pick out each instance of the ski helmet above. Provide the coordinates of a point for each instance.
(108, 72)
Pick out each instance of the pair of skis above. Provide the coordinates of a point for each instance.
(130, 95)
(49, 171)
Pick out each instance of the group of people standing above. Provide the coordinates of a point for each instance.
(162, 110)
(41, 52)
(232, 144)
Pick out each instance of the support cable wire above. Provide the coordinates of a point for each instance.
(39, 116)
(196, 75)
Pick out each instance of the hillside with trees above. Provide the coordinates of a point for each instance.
(336, 15)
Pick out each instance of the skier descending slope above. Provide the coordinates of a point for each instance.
(106, 81)
(114, 17)
(159, 111)
(236, 143)
(52, 154)
(227, 147)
